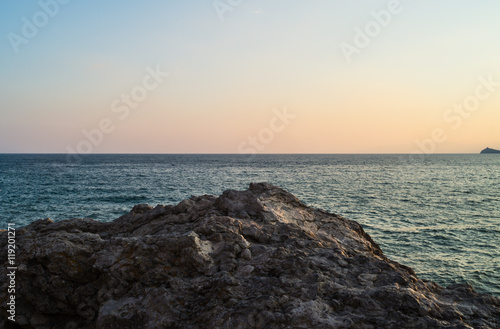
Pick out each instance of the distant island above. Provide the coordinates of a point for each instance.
(490, 151)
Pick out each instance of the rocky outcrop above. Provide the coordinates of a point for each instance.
(246, 259)
(490, 151)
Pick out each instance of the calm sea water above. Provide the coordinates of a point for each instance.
(440, 216)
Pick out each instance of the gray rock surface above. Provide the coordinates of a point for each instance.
(246, 259)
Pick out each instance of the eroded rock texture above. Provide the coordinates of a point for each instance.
(246, 259)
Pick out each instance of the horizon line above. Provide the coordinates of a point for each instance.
(242, 154)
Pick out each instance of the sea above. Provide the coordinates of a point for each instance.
(439, 214)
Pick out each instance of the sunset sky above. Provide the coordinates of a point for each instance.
(353, 76)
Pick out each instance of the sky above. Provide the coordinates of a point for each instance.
(249, 76)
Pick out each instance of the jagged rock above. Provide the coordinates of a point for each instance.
(247, 259)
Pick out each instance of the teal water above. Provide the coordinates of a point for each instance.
(440, 215)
